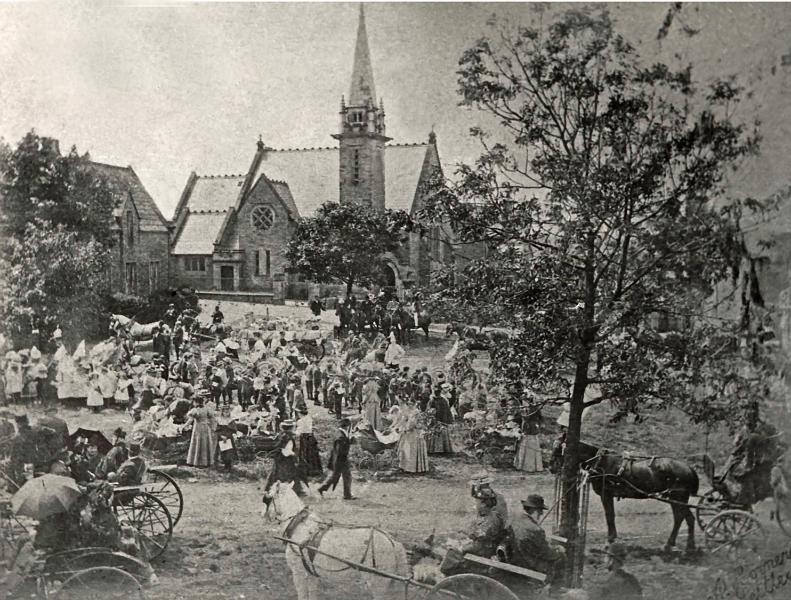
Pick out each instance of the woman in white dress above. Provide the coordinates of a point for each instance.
(94, 400)
(394, 351)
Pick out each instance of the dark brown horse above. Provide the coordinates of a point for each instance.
(615, 476)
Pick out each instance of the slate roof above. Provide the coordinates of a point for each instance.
(403, 165)
(282, 189)
(199, 231)
(214, 192)
(125, 181)
(312, 175)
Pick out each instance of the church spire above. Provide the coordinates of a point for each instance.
(362, 88)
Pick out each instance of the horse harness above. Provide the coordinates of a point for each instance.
(307, 549)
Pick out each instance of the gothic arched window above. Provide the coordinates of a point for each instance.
(262, 217)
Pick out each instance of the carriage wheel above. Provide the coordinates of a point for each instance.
(100, 583)
(783, 515)
(151, 519)
(468, 586)
(164, 487)
(72, 561)
(735, 533)
(709, 505)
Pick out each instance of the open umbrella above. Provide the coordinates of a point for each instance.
(43, 496)
(92, 435)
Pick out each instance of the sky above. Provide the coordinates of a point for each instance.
(172, 87)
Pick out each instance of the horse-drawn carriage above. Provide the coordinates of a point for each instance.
(329, 553)
(724, 513)
(69, 567)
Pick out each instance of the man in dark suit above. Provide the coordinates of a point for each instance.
(339, 462)
(133, 471)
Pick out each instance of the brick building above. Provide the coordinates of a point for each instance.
(230, 231)
(140, 255)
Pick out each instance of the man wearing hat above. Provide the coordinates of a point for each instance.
(22, 453)
(619, 584)
(339, 461)
(171, 315)
(528, 542)
(133, 470)
(54, 422)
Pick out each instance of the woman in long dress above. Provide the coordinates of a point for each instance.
(203, 442)
(528, 455)
(308, 456)
(439, 437)
(412, 452)
(394, 351)
(286, 468)
(372, 404)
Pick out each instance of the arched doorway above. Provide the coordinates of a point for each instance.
(390, 276)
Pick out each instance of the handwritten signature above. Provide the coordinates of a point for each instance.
(756, 583)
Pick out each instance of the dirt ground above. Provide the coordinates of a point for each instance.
(223, 548)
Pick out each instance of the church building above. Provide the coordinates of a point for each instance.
(230, 231)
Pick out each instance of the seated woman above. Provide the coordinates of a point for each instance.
(485, 534)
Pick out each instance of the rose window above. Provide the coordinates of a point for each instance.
(263, 217)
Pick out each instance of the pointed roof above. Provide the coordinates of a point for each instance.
(362, 87)
(125, 183)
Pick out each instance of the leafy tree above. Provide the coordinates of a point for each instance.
(602, 199)
(346, 243)
(56, 221)
(52, 278)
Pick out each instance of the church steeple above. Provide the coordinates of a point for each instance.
(362, 89)
(362, 131)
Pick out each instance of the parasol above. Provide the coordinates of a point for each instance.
(43, 496)
(92, 435)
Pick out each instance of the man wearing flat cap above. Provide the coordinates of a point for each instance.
(528, 542)
(619, 584)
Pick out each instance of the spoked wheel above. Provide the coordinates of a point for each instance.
(708, 506)
(735, 534)
(469, 586)
(68, 562)
(164, 487)
(783, 515)
(149, 516)
(99, 583)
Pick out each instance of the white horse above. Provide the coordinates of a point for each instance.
(367, 546)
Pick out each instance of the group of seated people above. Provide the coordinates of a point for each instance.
(519, 541)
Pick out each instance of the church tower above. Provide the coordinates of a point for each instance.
(362, 132)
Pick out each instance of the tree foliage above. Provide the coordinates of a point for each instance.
(346, 243)
(602, 201)
(56, 220)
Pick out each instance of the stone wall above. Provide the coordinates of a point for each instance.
(142, 248)
(245, 236)
(370, 187)
(199, 280)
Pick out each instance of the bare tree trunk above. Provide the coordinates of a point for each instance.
(349, 285)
